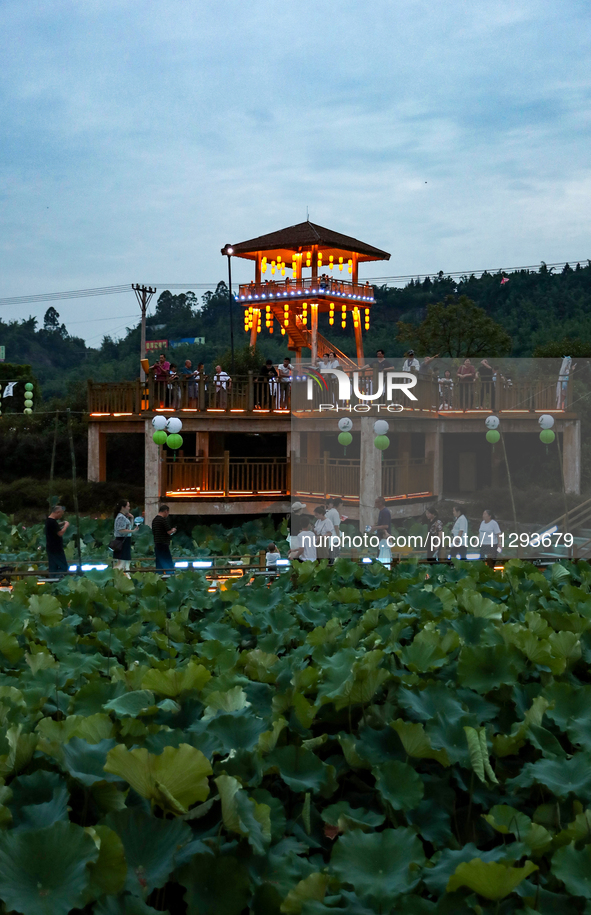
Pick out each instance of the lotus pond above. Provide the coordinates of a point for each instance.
(339, 740)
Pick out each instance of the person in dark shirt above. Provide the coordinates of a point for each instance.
(162, 532)
(54, 532)
(384, 525)
(267, 382)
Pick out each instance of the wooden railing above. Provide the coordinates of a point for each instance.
(245, 394)
(341, 477)
(288, 288)
(226, 476)
(433, 396)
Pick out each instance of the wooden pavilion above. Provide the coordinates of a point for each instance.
(300, 271)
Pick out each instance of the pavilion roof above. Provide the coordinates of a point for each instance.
(302, 237)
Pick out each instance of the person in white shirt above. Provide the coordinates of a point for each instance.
(324, 363)
(334, 362)
(271, 557)
(489, 535)
(303, 548)
(323, 529)
(333, 514)
(459, 530)
(223, 383)
(284, 371)
(411, 363)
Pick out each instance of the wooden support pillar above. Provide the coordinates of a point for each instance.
(202, 444)
(434, 456)
(314, 335)
(370, 474)
(355, 275)
(571, 455)
(97, 454)
(152, 474)
(314, 261)
(358, 336)
(257, 268)
(256, 317)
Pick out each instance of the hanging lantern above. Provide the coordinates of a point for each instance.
(547, 436)
(159, 437)
(282, 269)
(546, 421)
(380, 427)
(304, 313)
(343, 316)
(320, 258)
(493, 436)
(345, 438)
(367, 318)
(174, 441)
(159, 423)
(340, 263)
(268, 316)
(356, 318)
(264, 265)
(350, 266)
(492, 422)
(330, 262)
(294, 267)
(173, 425)
(345, 424)
(272, 266)
(286, 315)
(331, 314)
(381, 442)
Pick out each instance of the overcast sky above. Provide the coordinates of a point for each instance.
(137, 138)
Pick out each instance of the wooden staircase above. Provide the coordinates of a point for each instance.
(579, 518)
(301, 338)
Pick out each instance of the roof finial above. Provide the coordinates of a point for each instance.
(307, 215)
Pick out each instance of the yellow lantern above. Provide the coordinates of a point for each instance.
(264, 265)
(330, 262)
(304, 313)
(331, 314)
(367, 318)
(285, 314)
(282, 269)
(350, 266)
(283, 331)
(272, 266)
(320, 258)
(340, 263)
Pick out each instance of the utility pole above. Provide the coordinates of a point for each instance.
(229, 251)
(143, 294)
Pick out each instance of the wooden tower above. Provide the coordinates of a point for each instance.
(301, 271)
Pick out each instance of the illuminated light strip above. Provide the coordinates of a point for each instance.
(237, 411)
(215, 410)
(122, 414)
(515, 411)
(100, 414)
(189, 410)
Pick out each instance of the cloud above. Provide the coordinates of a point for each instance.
(138, 138)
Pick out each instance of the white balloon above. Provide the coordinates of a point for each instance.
(491, 422)
(174, 425)
(380, 427)
(159, 423)
(345, 424)
(546, 421)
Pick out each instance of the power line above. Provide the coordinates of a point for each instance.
(118, 290)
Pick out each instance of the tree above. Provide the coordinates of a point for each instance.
(51, 321)
(456, 327)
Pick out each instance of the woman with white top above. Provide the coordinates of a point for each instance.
(489, 535)
(122, 530)
(459, 532)
(324, 531)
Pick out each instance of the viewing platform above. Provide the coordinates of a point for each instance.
(329, 288)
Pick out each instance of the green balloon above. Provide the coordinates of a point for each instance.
(28, 396)
(345, 438)
(547, 436)
(174, 441)
(159, 437)
(381, 442)
(493, 436)
(29, 386)
(27, 410)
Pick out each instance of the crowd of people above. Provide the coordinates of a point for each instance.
(313, 536)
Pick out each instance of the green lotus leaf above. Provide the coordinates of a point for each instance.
(46, 608)
(399, 784)
(574, 869)
(436, 877)
(490, 879)
(174, 780)
(346, 817)
(44, 871)
(426, 652)
(232, 700)
(124, 905)
(38, 816)
(560, 776)
(108, 872)
(174, 681)
(309, 889)
(234, 731)
(484, 668)
(131, 704)
(481, 606)
(86, 762)
(152, 847)
(416, 742)
(505, 819)
(10, 648)
(300, 769)
(215, 885)
(382, 865)
(259, 666)
(21, 749)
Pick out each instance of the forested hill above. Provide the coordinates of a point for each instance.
(536, 308)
